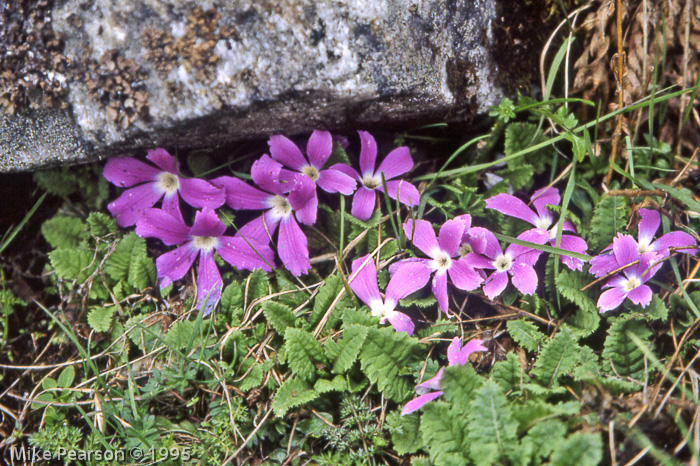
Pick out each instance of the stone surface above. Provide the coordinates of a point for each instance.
(119, 76)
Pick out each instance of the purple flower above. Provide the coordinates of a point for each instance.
(396, 163)
(202, 239)
(629, 283)
(408, 279)
(543, 219)
(606, 262)
(284, 202)
(441, 250)
(455, 356)
(517, 261)
(164, 183)
(319, 149)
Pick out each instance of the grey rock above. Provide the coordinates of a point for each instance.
(185, 74)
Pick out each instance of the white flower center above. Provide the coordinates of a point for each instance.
(168, 183)
(311, 172)
(205, 243)
(464, 249)
(503, 263)
(371, 182)
(381, 309)
(632, 283)
(280, 206)
(441, 262)
(543, 222)
(643, 248)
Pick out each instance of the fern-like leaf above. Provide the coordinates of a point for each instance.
(101, 224)
(279, 316)
(459, 384)
(63, 232)
(621, 356)
(580, 449)
(609, 217)
(509, 373)
(525, 333)
(558, 358)
(292, 393)
(492, 429)
(302, 351)
(343, 354)
(445, 434)
(128, 250)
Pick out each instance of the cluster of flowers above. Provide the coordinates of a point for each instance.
(286, 189)
(286, 183)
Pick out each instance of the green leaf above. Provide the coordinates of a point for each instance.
(459, 384)
(302, 351)
(100, 318)
(337, 384)
(586, 318)
(609, 217)
(101, 224)
(258, 286)
(657, 310)
(445, 434)
(253, 378)
(525, 333)
(580, 449)
(558, 358)
(343, 354)
(519, 136)
(492, 429)
(325, 296)
(405, 436)
(127, 251)
(279, 316)
(620, 355)
(142, 272)
(73, 264)
(48, 383)
(509, 373)
(546, 436)
(181, 334)
(63, 232)
(65, 379)
(232, 302)
(292, 393)
(384, 354)
(518, 177)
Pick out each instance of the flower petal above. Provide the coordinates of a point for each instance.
(351, 172)
(484, 242)
(611, 299)
(544, 196)
(363, 203)
(640, 295)
(495, 284)
(286, 152)
(266, 174)
(512, 206)
(171, 204)
(406, 192)
(174, 265)
(422, 235)
(472, 346)
(651, 219)
(129, 207)
(574, 244)
(453, 352)
(335, 181)
(603, 264)
(319, 148)
(363, 281)
(477, 261)
(525, 253)
(524, 277)
(368, 153)
(408, 279)
(401, 322)
(209, 283)
(625, 249)
(199, 193)
(450, 236)
(127, 171)
(418, 402)
(207, 223)
(396, 163)
(303, 199)
(439, 289)
(240, 195)
(434, 382)
(157, 223)
(261, 229)
(292, 247)
(246, 254)
(163, 159)
(397, 265)
(464, 276)
(674, 239)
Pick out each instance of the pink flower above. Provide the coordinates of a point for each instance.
(164, 183)
(543, 219)
(202, 239)
(442, 251)
(408, 279)
(455, 356)
(319, 149)
(285, 203)
(396, 163)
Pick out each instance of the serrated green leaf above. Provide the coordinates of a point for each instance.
(546, 436)
(405, 434)
(519, 136)
(620, 355)
(536, 410)
(558, 358)
(343, 354)
(293, 299)
(66, 377)
(100, 318)
(279, 316)
(337, 384)
(73, 264)
(325, 296)
(292, 393)
(509, 373)
(232, 302)
(253, 378)
(383, 355)
(127, 251)
(181, 335)
(656, 310)
(101, 224)
(258, 286)
(491, 427)
(525, 333)
(445, 434)
(586, 318)
(63, 232)
(302, 351)
(459, 384)
(580, 449)
(518, 177)
(361, 317)
(142, 272)
(609, 217)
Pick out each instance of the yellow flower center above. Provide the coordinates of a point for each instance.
(168, 183)
(371, 182)
(503, 263)
(311, 172)
(280, 206)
